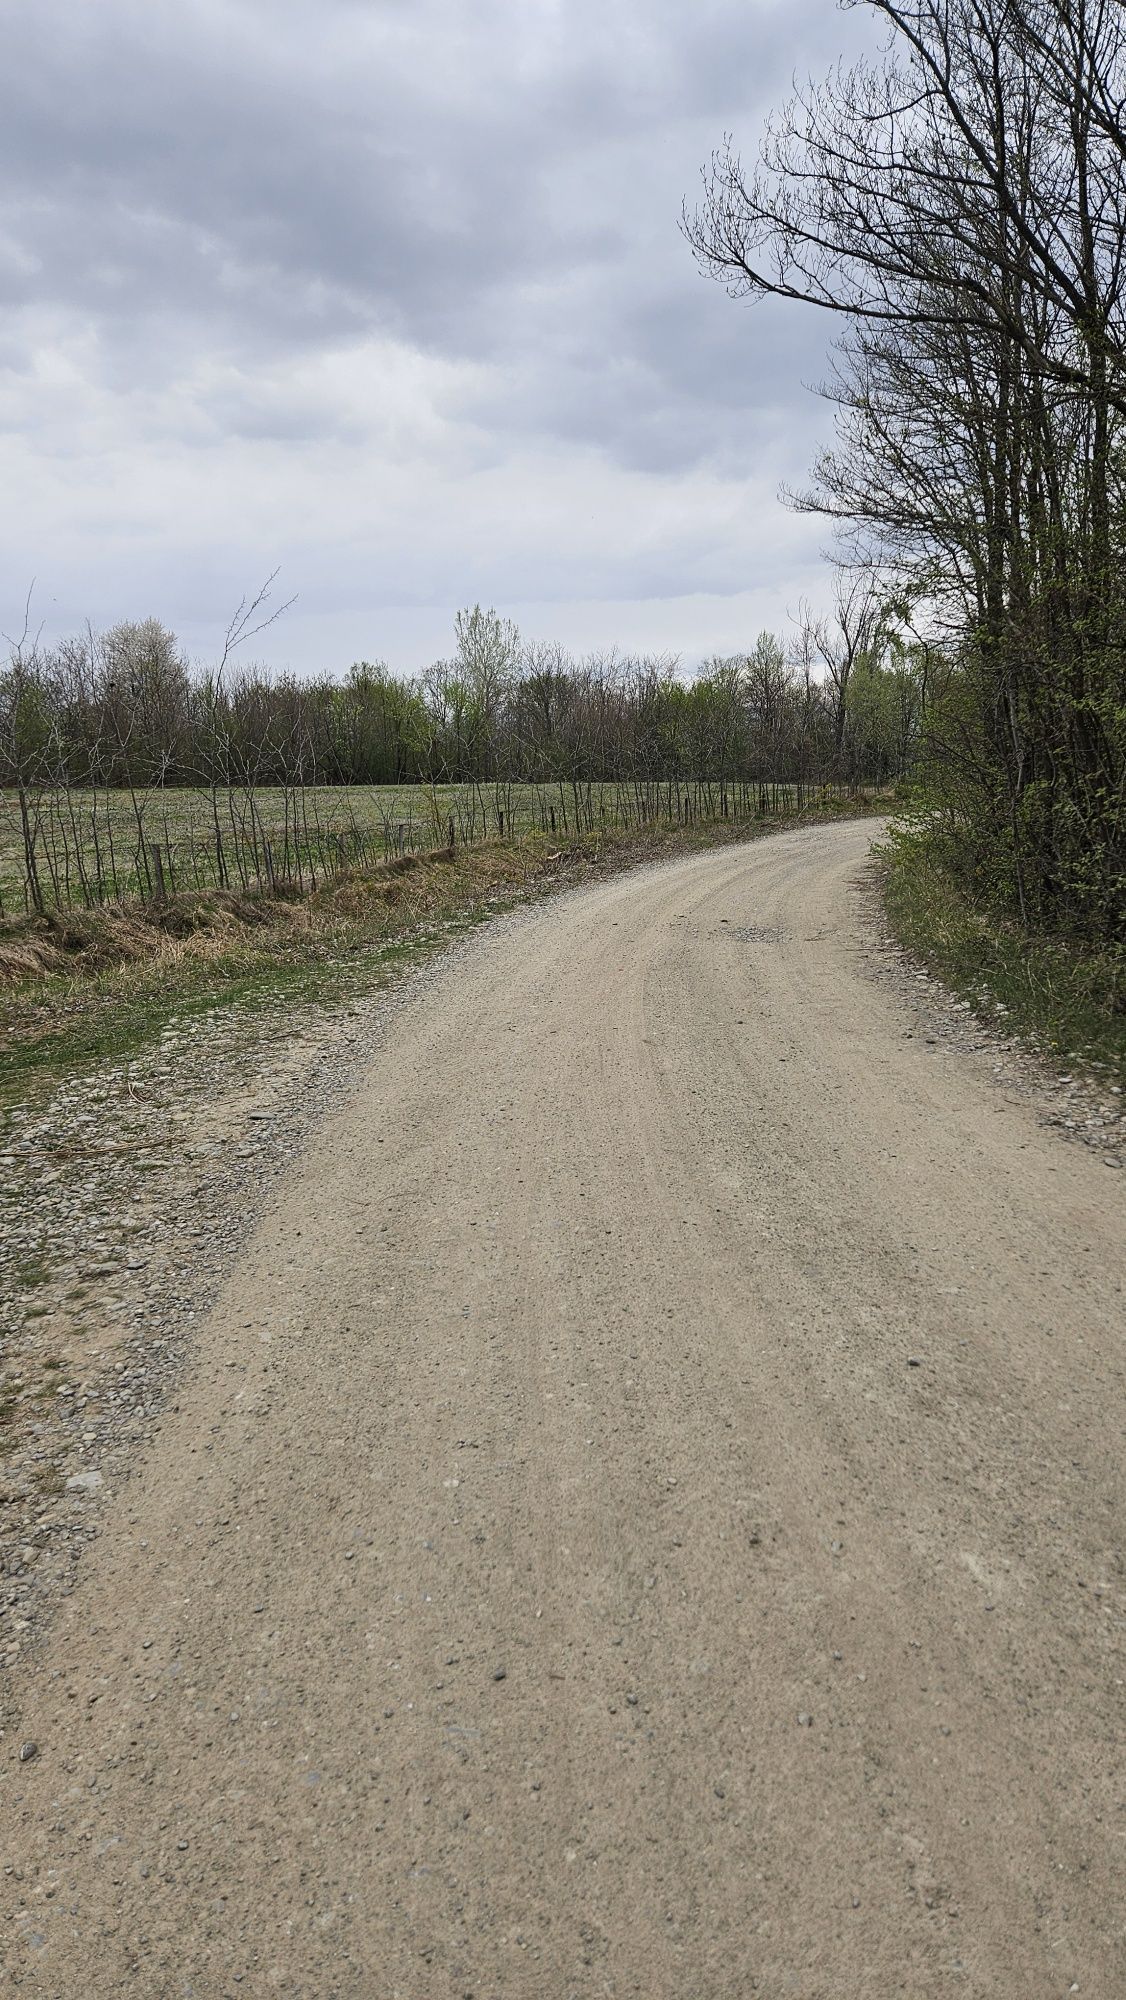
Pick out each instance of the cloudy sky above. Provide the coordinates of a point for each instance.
(390, 294)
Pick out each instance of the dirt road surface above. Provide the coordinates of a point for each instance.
(644, 1519)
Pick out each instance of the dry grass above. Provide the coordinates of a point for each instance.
(71, 942)
(204, 924)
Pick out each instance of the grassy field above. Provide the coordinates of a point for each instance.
(116, 846)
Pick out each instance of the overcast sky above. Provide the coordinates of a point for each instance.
(390, 294)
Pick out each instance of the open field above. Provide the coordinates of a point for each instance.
(70, 847)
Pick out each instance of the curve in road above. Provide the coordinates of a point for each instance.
(644, 1519)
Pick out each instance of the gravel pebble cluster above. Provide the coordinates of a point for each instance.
(124, 1196)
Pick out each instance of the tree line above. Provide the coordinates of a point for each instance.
(957, 206)
(126, 710)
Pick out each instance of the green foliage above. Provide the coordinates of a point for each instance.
(1068, 996)
(27, 724)
(1023, 785)
(956, 197)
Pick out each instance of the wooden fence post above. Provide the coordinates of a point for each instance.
(158, 871)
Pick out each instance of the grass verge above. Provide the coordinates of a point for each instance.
(101, 985)
(1068, 1000)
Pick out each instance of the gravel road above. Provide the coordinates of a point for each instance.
(643, 1517)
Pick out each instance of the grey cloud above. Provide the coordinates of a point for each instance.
(254, 183)
(156, 167)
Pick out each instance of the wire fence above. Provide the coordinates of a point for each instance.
(62, 848)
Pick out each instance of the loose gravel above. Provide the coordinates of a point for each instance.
(126, 1194)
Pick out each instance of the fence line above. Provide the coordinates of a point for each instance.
(67, 848)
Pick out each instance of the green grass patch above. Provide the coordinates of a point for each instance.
(1066, 998)
(30, 1272)
(9, 1405)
